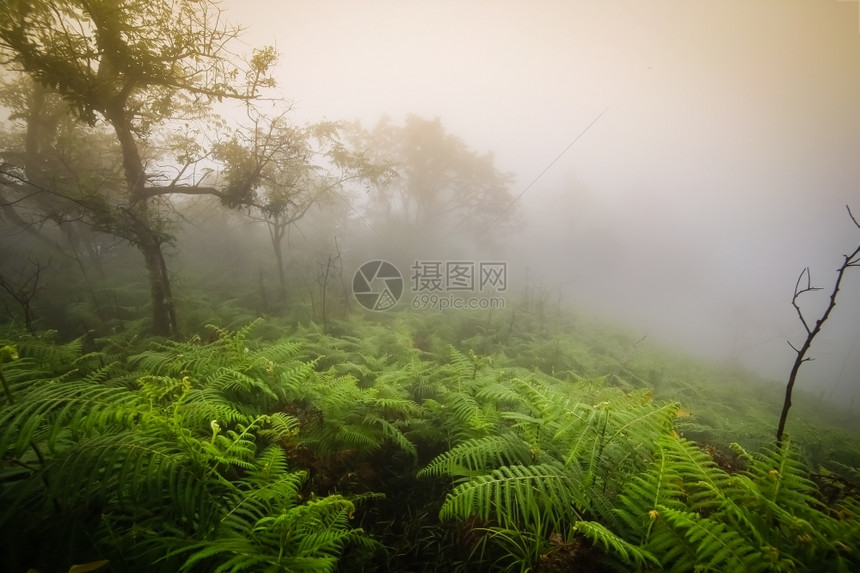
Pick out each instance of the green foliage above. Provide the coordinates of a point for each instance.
(539, 496)
(475, 456)
(627, 552)
(185, 465)
(228, 453)
(691, 514)
(268, 528)
(545, 460)
(357, 420)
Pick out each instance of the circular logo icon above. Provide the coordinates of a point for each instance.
(377, 285)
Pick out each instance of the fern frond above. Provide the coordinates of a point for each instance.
(660, 485)
(234, 341)
(292, 377)
(53, 408)
(239, 385)
(628, 553)
(781, 478)
(843, 535)
(278, 427)
(283, 351)
(461, 367)
(502, 393)
(53, 358)
(718, 547)
(479, 455)
(270, 466)
(132, 470)
(474, 417)
(517, 495)
(390, 432)
(307, 537)
(702, 475)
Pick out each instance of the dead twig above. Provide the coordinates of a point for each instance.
(849, 261)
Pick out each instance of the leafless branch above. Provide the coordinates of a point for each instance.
(849, 261)
(799, 291)
(850, 214)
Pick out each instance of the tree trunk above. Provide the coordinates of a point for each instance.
(145, 238)
(163, 312)
(276, 232)
(282, 279)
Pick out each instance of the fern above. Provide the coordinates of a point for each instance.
(474, 457)
(53, 409)
(546, 460)
(183, 460)
(781, 479)
(269, 528)
(462, 367)
(51, 357)
(221, 455)
(474, 417)
(291, 381)
(689, 513)
(662, 485)
(718, 547)
(130, 470)
(843, 531)
(280, 352)
(629, 553)
(515, 495)
(355, 419)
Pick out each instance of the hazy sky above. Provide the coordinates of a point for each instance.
(729, 145)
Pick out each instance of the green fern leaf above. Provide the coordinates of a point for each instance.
(630, 554)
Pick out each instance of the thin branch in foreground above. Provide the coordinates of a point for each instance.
(852, 260)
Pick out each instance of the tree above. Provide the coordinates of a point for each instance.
(279, 171)
(135, 65)
(55, 171)
(442, 185)
(849, 261)
(24, 290)
(59, 181)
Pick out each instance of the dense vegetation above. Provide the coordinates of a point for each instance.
(414, 442)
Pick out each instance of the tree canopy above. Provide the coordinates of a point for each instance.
(134, 65)
(442, 185)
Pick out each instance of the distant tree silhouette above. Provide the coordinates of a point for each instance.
(441, 186)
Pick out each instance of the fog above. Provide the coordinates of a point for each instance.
(717, 148)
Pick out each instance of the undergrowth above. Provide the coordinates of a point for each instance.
(415, 443)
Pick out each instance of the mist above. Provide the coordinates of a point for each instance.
(463, 286)
(677, 164)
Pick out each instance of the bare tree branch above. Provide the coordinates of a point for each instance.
(798, 291)
(850, 214)
(849, 261)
